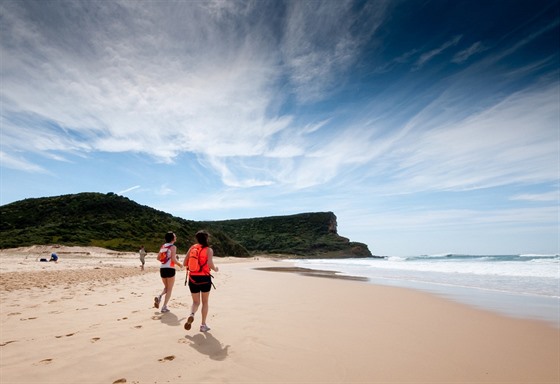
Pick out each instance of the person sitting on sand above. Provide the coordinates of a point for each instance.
(54, 257)
(167, 270)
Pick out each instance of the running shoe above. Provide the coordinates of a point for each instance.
(189, 322)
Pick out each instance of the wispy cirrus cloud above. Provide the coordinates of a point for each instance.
(336, 32)
(124, 99)
(125, 191)
(21, 164)
(486, 149)
(220, 110)
(538, 197)
(464, 55)
(427, 56)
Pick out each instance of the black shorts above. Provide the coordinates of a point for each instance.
(167, 272)
(201, 283)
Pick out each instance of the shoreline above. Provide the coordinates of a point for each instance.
(542, 306)
(515, 305)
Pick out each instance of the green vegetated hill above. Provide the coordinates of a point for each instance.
(116, 222)
(305, 234)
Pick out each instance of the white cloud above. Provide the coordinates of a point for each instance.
(322, 39)
(464, 55)
(540, 197)
(515, 141)
(208, 99)
(210, 85)
(165, 190)
(425, 57)
(128, 190)
(20, 164)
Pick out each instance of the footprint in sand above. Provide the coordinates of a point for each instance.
(68, 335)
(46, 361)
(94, 339)
(124, 318)
(138, 327)
(29, 318)
(119, 381)
(7, 342)
(14, 313)
(167, 358)
(156, 317)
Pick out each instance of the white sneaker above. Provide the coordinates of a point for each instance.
(204, 328)
(164, 309)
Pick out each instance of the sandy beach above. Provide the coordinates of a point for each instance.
(90, 319)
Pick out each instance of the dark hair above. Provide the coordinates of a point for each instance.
(169, 237)
(202, 238)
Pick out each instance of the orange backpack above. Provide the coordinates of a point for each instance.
(193, 262)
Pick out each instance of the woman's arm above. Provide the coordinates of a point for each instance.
(174, 256)
(211, 261)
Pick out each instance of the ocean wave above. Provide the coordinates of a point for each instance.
(397, 258)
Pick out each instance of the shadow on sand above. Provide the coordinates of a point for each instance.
(168, 318)
(207, 344)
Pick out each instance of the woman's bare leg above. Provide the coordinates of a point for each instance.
(204, 310)
(169, 282)
(195, 302)
(164, 288)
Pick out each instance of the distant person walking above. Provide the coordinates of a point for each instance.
(200, 280)
(142, 253)
(167, 270)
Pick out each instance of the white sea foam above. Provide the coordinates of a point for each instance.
(518, 274)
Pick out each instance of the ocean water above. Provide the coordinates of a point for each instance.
(525, 286)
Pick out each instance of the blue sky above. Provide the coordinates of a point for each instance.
(427, 127)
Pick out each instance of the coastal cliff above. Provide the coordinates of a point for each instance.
(118, 223)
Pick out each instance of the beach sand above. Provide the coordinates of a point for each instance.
(90, 319)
